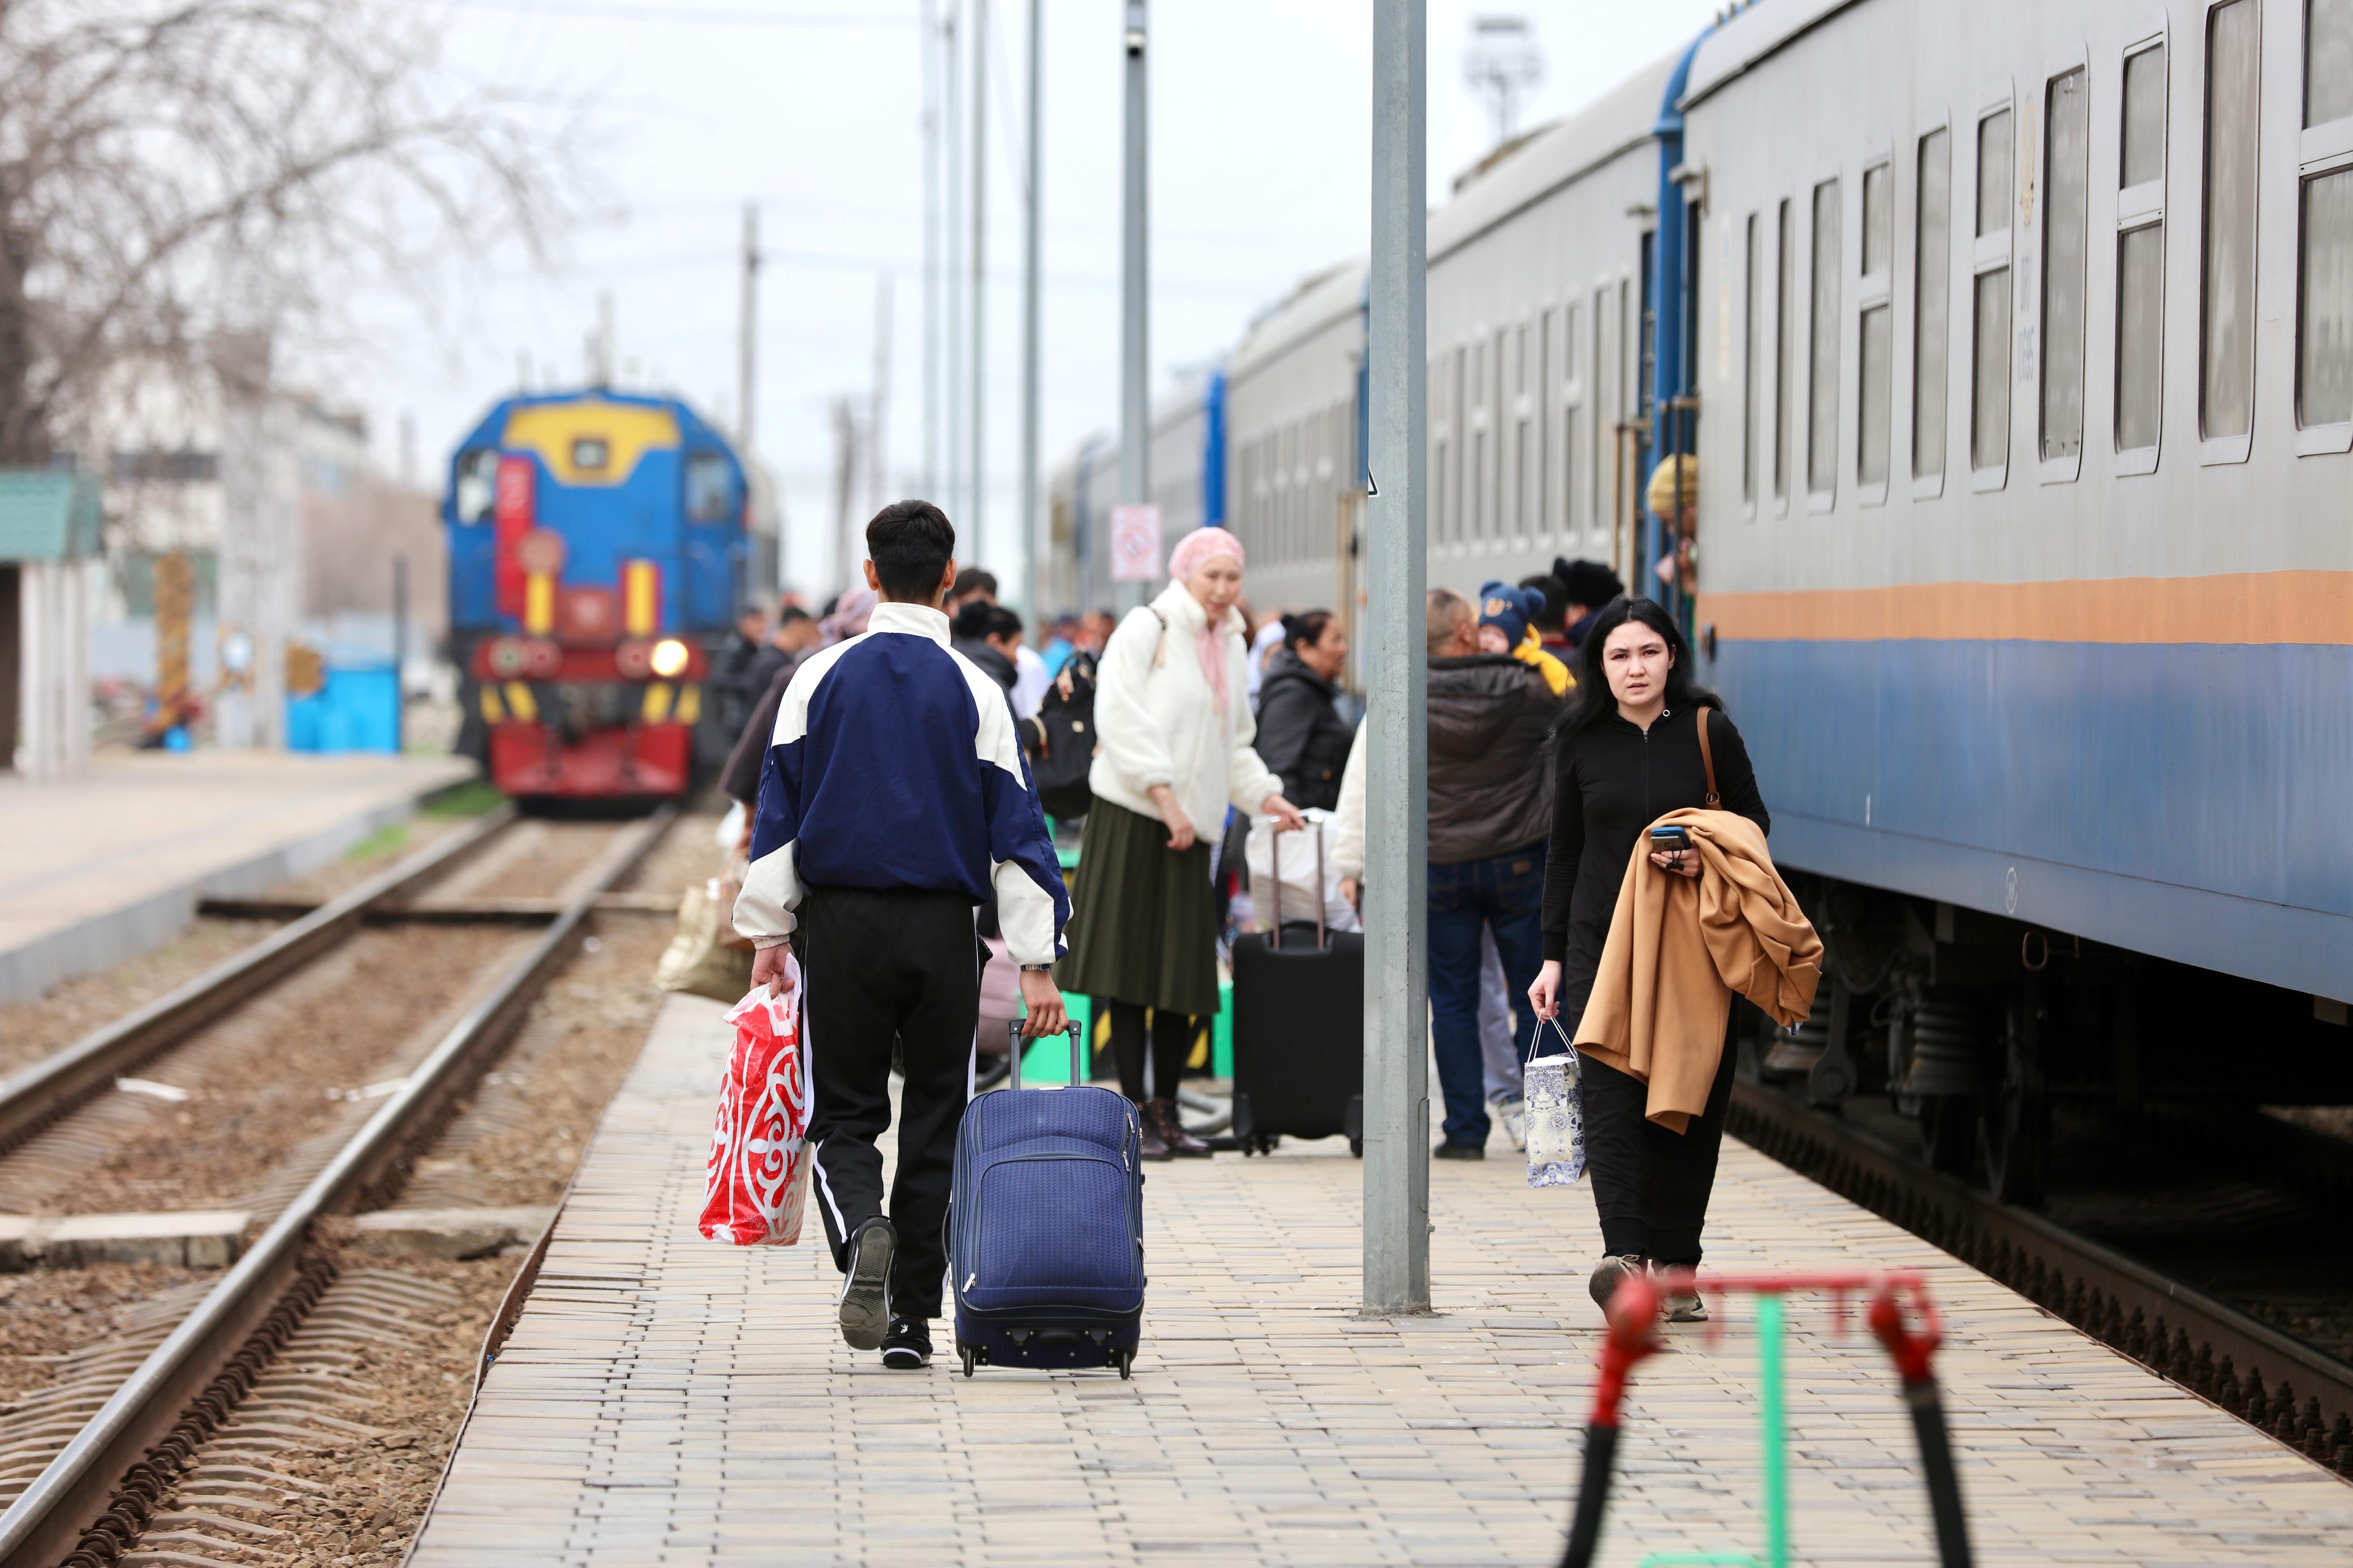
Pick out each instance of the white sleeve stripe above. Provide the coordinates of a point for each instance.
(792, 713)
(1025, 913)
(994, 738)
(771, 888)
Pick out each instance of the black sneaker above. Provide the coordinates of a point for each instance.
(863, 1317)
(908, 1345)
(1459, 1151)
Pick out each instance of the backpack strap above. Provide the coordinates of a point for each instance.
(1707, 760)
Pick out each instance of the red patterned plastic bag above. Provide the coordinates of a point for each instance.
(757, 1178)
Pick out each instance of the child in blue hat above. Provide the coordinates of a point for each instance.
(1507, 618)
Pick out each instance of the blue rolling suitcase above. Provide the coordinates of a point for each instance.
(1045, 1226)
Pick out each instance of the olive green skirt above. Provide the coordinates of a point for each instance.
(1143, 919)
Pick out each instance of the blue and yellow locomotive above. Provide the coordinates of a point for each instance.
(600, 544)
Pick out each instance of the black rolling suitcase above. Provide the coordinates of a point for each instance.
(1299, 1028)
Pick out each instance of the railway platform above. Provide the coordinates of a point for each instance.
(664, 1399)
(104, 868)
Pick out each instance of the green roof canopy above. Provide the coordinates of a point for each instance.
(47, 514)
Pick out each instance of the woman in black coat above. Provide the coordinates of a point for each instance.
(1300, 735)
(1628, 754)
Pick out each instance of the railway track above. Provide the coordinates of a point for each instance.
(2288, 1388)
(92, 1501)
(39, 1095)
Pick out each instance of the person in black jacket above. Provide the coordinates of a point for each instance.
(1628, 754)
(1490, 803)
(1300, 735)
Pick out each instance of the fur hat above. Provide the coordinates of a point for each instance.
(1588, 583)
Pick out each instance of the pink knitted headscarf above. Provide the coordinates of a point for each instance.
(1193, 551)
(849, 615)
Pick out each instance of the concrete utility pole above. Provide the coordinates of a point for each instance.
(878, 413)
(1135, 292)
(260, 545)
(747, 335)
(1033, 526)
(930, 47)
(951, 492)
(1396, 822)
(977, 506)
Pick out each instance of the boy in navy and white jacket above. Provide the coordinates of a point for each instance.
(895, 798)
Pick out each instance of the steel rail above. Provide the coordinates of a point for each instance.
(2293, 1391)
(114, 1445)
(48, 1088)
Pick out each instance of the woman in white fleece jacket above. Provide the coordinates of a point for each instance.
(1173, 729)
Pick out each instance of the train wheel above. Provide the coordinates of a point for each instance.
(1949, 1131)
(2016, 1125)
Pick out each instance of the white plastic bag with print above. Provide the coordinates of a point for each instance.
(1305, 874)
(1556, 1110)
(756, 1182)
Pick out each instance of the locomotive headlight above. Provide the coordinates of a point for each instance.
(669, 658)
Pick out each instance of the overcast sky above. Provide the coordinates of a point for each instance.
(1261, 169)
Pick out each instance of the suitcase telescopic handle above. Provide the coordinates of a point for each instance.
(1014, 1027)
(1275, 869)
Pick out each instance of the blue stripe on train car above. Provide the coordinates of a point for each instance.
(2182, 800)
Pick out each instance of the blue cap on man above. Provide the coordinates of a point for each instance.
(1510, 607)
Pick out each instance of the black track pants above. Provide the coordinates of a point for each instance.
(884, 966)
(1651, 1185)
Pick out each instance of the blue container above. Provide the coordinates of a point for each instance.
(357, 709)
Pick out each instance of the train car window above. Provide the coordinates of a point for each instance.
(2140, 262)
(2067, 171)
(1460, 395)
(2327, 61)
(1552, 514)
(1878, 222)
(2226, 382)
(1989, 307)
(1748, 372)
(1989, 407)
(1993, 175)
(478, 484)
(1785, 283)
(2324, 316)
(2141, 326)
(1932, 305)
(2143, 127)
(1528, 440)
(1876, 348)
(1822, 356)
(1875, 336)
(591, 454)
(1608, 408)
(710, 488)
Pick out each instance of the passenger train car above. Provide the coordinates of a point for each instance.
(2015, 340)
(600, 543)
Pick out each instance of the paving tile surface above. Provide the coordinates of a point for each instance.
(669, 1400)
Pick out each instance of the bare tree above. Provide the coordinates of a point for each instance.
(176, 174)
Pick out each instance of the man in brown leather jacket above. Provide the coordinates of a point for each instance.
(1490, 810)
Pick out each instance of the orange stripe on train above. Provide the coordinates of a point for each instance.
(2244, 607)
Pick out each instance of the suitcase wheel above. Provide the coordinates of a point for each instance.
(965, 1350)
(1126, 1365)
(1357, 1147)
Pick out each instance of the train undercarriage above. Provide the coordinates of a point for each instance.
(1989, 1033)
